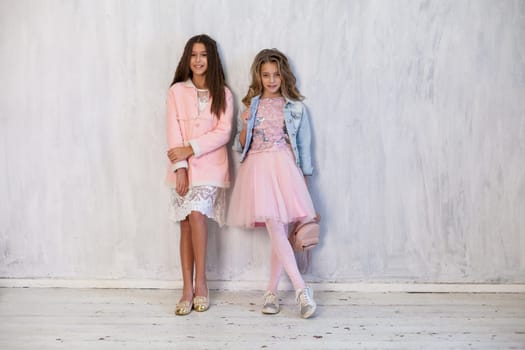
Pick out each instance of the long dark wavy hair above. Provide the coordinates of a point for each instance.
(288, 81)
(215, 80)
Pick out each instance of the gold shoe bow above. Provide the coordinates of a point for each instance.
(201, 304)
(183, 308)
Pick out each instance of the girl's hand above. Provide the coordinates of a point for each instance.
(242, 136)
(177, 154)
(245, 115)
(181, 181)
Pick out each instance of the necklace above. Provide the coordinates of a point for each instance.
(203, 95)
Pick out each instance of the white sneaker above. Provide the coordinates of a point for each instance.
(271, 304)
(305, 299)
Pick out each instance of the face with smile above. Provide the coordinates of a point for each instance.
(199, 60)
(271, 80)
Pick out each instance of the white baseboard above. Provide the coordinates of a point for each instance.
(259, 285)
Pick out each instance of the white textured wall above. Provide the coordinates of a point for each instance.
(418, 112)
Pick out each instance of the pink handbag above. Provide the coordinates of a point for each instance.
(303, 238)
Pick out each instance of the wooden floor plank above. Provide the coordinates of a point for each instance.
(48, 318)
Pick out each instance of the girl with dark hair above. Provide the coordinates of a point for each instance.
(198, 125)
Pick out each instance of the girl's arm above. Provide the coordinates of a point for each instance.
(182, 182)
(242, 127)
(304, 142)
(217, 137)
(244, 118)
(178, 154)
(173, 131)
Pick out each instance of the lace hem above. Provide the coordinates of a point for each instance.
(208, 200)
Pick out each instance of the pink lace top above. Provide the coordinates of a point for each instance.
(269, 131)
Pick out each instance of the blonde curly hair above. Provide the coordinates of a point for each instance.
(288, 81)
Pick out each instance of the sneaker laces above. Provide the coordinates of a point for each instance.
(304, 298)
(269, 298)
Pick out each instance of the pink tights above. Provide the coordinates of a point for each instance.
(282, 256)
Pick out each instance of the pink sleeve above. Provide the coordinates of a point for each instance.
(173, 131)
(217, 137)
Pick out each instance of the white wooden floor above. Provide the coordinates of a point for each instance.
(47, 318)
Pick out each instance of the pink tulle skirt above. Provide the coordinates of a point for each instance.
(269, 185)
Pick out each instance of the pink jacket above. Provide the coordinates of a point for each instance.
(206, 134)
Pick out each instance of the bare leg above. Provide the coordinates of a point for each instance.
(200, 240)
(186, 259)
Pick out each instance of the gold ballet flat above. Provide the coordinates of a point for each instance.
(201, 304)
(183, 308)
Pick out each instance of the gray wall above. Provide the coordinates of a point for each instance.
(418, 112)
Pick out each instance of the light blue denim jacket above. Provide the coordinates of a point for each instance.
(297, 123)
